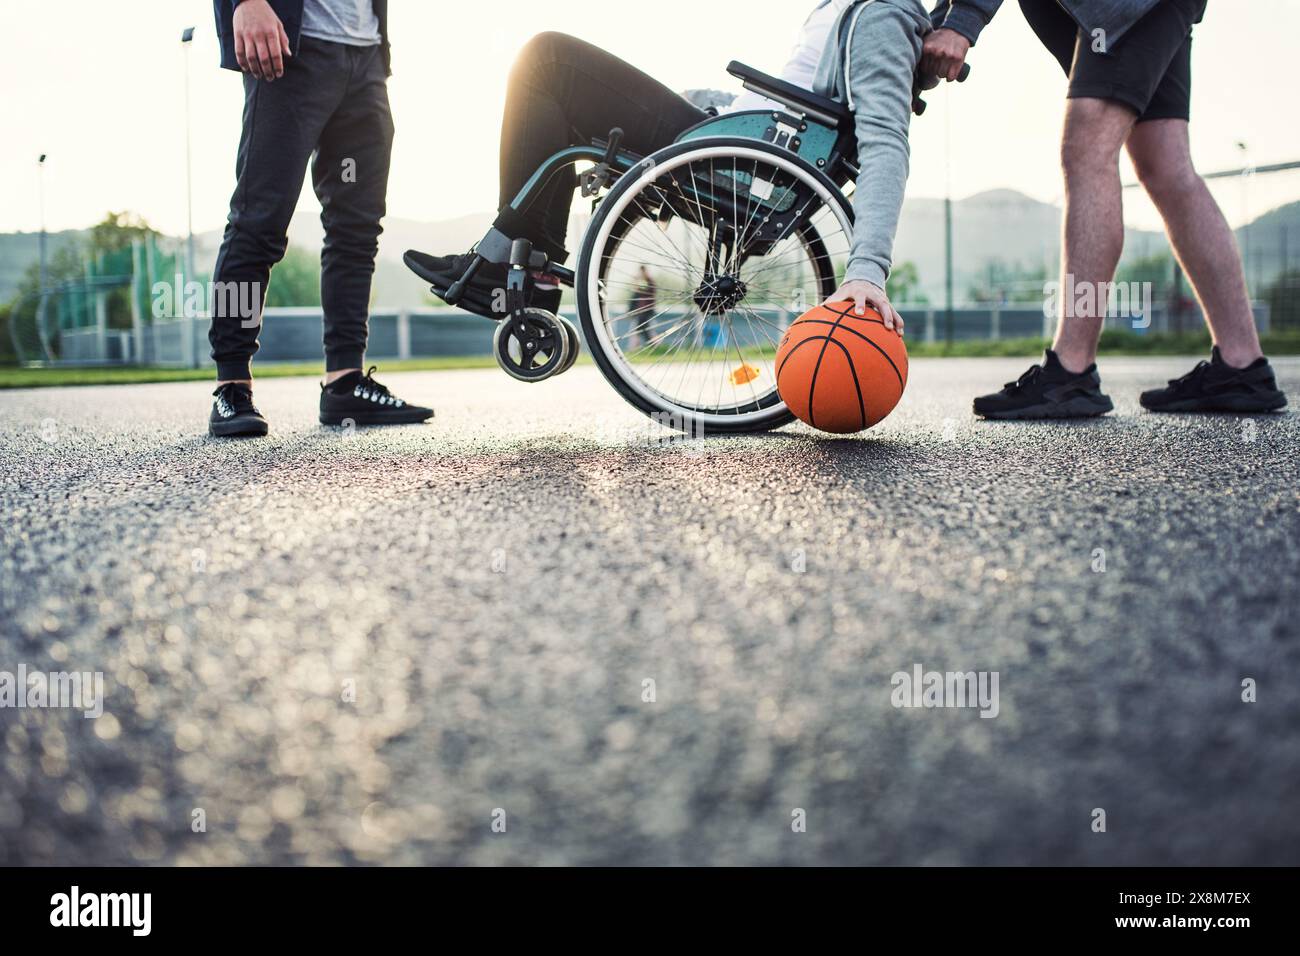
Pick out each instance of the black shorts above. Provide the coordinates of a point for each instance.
(1149, 70)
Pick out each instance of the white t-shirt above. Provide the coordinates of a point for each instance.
(353, 22)
(801, 68)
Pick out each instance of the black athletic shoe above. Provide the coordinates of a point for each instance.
(483, 295)
(1215, 386)
(233, 413)
(1048, 390)
(363, 401)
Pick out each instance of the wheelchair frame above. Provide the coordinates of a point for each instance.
(814, 138)
(816, 130)
(808, 142)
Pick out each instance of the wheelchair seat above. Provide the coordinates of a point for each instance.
(813, 105)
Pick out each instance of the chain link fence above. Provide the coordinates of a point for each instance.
(111, 310)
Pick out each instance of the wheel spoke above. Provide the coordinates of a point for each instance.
(705, 340)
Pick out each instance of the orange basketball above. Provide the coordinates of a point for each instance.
(839, 371)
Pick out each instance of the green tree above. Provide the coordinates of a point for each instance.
(66, 264)
(295, 281)
(1157, 269)
(903, 287)
(1283, 298)
(7, 356)
(108, 243)
(1003, 283)
(116, 231)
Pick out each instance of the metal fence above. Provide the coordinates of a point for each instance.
(287, 335)
(294, 335)
(1262, 204)
(1006, 252)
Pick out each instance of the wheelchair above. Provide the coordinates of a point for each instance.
(743, 224)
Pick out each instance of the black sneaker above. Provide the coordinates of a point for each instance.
(363, 401)
(1048, 390)
(483, 294)
(1215, 386)
(233, 413)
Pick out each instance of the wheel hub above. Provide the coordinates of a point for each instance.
(720, 293)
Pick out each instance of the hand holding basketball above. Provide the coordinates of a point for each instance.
(867, 295)
(839, 371)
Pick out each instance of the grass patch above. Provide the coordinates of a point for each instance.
(1112, 343)
(11, 377)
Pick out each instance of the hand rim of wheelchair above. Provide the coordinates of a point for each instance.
(608, 356)
(551, 328)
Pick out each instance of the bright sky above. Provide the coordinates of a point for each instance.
(98, 86)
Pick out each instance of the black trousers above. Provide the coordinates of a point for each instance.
(564, 92)
(331, 102)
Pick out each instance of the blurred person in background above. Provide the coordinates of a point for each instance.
(641, 308)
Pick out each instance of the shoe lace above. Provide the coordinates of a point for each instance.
(367, 383)
(1190, 376)
(1028, 378)
(239, 397)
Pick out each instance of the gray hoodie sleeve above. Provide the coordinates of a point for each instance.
(883, 51)
(967, 17)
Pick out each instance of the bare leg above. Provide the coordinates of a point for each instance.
(1093, 239)
(334, 376)
(1199, 234)
(330, 377)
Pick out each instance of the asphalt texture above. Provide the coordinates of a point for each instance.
(371, 646)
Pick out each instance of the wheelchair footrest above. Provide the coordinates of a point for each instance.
(478, 297)
(484, 294)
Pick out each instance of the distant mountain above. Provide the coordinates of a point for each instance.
(1271, 243)
(999, 226)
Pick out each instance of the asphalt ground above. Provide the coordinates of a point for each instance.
(370, 646)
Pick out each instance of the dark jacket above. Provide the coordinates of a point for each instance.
(1116, 17)
(290, 14)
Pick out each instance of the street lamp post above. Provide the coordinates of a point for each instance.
(40, 191)
(187, 38)
(947, 218)
(1246, 172)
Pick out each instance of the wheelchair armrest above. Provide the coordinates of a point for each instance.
(817, 107)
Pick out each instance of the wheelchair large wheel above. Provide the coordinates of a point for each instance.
(737, 238)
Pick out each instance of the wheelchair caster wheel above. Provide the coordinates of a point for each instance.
(534, 352)
(575, 343)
